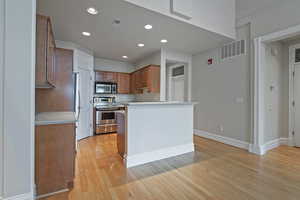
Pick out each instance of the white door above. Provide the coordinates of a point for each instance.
(176, 79)
(297, 104)
(177, 88)
(84, 126)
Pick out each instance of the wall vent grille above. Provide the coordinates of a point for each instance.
(233, 49)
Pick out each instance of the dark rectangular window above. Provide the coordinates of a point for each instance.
(297, 56)
(178, 71)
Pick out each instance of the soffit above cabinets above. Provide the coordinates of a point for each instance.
(217, 16)
(182, 9)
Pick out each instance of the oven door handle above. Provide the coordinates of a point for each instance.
(103, 112)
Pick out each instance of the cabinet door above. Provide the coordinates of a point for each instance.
(99, 76)
(123, 83)
(54, 157)
(50, 56)
(111, 77)
(153, 81)
(41, 50)
(139, 79)
(103, 76)
(145, 73)
(132, 83)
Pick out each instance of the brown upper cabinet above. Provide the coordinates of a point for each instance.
(45, 53)
(146, 78)
(102, 76)
(123, 83)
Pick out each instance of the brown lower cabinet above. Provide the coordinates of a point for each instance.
(54, 157)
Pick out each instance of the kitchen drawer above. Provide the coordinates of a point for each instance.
(106, 128)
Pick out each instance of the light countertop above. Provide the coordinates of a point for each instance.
(48, 118)
(160, 103)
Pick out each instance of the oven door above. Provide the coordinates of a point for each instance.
(105, 117)
(103, 88)
(105, 122)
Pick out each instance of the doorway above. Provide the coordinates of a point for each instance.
(176, 81)
(261, 142)
(294, 63)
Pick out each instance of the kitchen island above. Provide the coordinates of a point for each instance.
(157, 130)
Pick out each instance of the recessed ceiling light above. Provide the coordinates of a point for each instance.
(86, 33)
(92, 11)
(164, 41)
(125, 57)
(141, 45)
(148, 26)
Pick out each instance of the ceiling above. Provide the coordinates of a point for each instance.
(110, 41)
(245, 8)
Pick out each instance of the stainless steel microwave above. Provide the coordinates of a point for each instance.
(105, 88)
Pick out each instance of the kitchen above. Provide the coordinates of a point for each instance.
(81, 98)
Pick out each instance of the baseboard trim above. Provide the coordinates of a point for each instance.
(273, 144)
(147, 157)
(222, 139)
(256, 149)
(27, 196)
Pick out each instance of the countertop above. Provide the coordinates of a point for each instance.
(160, 103)
(48, 118)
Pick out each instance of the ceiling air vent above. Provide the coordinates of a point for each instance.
(233, 49)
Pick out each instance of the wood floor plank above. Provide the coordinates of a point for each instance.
(214, 171)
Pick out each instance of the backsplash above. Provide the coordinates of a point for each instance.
(147, 96)
(132, 97)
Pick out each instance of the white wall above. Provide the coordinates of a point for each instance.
(112, 65)
(268, 20)
(18, 122)
(153, 59)
(275, 108)
(222, 91)
(216, 15)
(273, 18)
(1, 92)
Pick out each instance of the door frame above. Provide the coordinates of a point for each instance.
(292, 64)
(169, 72)
(258, 145)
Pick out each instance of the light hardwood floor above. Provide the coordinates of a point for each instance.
(214, 172)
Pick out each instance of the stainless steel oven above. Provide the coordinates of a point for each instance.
(105, 121)
(105, 88)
